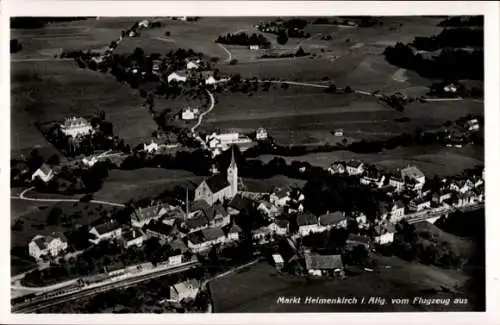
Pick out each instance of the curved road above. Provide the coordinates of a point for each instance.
(22, 196)
(200, 118)
(229, 55)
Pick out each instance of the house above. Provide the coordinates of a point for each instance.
(461, 200)
(197, 222)
(184, 290)
(175, 260)
(279, 227)
(143, 24)
(384, 234)
(354, 240)
(336, 219)
(397, 182)
(440, 196)
(234, 233)
(162, 231)
(354, 167)
(307, 223)
(261, 234)
(280, 197)
(461, 186)
(189, 113)
(220, 187)
(105, 231)
(397, 211)
(133, 237)
(52, 245)
(179, 76)
(267, 209)
(142, 216)
(373, 177)
(253, 47)
(152, 147)
(419, 204)
(338, 133)
(240, 204)
(337, 167)
(90, 161)
(360, 219)
(202, 240)
(192, 65)
(76, 126)
(278, 261)
(218, 216)
(320, 265)
(261, 134)
(451, 88)
(413, 173)
(381, 211)
(45, 173)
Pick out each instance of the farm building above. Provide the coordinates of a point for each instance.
(51, 245)
(133, 237)
(320, 265)
(45, 173)
(142, 216)
(105, 231)
(354, 167)
(184, 290)
(202, 240)
(413, 173)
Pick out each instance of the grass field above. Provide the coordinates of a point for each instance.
(89, 212)
(258, 288)
(432, 160)
(48, 91)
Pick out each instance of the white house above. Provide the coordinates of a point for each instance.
(133, 237)
(261, 134)
(354, 167)
(397, 211)
(90, 161)
(234, 233)
(202, 240)
(451, 88)
(278, 261)
(308, 224)
(189, 113)
(280, 197)
(397, 183)
(192, 65)
(373, 177)
(279, 227)
(151, 147)
(184, 290)
(461, 186)
(143, 24)
(45, 173)
(337, 168)
(419, 204)
(51, 245)
(338, 133)
(179, 76)
(440, 197)
(413, 173)
(76, 126)
(254, 47)
(384, 234)
(106, 231)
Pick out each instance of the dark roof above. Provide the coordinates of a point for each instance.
(212, 233)
(197, 221)
(107, 227)
(132, 234)
(240, 203)
(217, 182)
(353, 238)
(235, 229)
(199, 205)
(331, 218)
(196, 237)
(45, 169)
(323, 262)
(160, 228)
(41, 242)
(147, 213)
(282, 223)
(306, 219)
(399, 204)
(354, 163)
(178, 244)
(382, 229)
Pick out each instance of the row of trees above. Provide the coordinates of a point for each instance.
(453, 37)
(243, 39)
(299, 53)
(460, 21)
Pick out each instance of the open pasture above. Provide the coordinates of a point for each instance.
(432, 160)
(51, 91)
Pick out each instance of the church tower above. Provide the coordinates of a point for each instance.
(232, 175)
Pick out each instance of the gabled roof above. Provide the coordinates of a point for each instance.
(398, 204)
(212, 233)
(323, 262)
(132, 234)
(331, 218)
(282, 223)
(160, 228)
(354, 163)
(187, 285)
(43, 241)
(353, 238)
(45, 169)
(235, 229)
(181, 73)
(411, 172)
(217, 182)
(306, 219)
(107, 227)
(150, 212)
(197, 221)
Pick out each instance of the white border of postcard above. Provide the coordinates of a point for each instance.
(266, 8)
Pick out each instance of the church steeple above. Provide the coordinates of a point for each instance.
(232, 174)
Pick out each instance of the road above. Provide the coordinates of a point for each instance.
(32, 307)
(419, 217)
(210, 108)
(229, 55)
(22, 196)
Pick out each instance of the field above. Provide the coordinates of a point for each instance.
(238, 292)
(432, 160)
(304, 114)
(123, 185)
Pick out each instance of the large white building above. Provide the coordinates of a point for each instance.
(189, 113)
(51, 245)
(413, 173)
(184, 290)
(179, 76)
(45, 173)
(219, 187)
(76, 126)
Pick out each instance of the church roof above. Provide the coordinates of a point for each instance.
(217, 182)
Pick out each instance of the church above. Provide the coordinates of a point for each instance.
(219, 187)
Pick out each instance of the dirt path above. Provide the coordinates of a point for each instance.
(229, 55)
(200, 118)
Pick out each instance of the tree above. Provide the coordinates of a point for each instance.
(282, 37)
(54, 160)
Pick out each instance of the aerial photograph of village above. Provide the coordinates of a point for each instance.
(247, 164)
